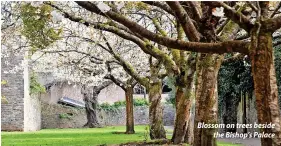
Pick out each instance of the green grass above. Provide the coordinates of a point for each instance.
(77, 137)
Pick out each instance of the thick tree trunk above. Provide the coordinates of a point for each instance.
(90, 95)
(129, 111)
(206, 99)
(157, 130)
(182, 116)
(91, 111)
(183, 98)
(266, 93)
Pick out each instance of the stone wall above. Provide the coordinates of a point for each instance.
(251, 114)
(12, 113)
(21, 112)
(60, 116)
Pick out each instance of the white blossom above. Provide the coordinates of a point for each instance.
(218, 11)
(56, 17)
(103, 7)
(120, 5)
(36, 3)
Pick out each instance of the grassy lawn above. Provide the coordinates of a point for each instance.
(76, 137)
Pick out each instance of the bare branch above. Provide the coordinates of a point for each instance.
(188, 27)
(234, 15)
(224, 47)
(276, 10)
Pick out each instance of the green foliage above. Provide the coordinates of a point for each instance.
(118, 104)
(140, 102)
(234, 78)
(36, 28)
(4, 82)
(4, 100)
(35, 86)
(65, 116)
(106, 106)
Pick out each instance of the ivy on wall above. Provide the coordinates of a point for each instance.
(35, 86)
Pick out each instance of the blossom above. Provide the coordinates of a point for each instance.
(218, 12)
(56, 17)
(103, 7)
(36, 3)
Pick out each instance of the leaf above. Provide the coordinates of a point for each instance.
(4, 82)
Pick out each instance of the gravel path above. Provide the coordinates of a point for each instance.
(244, 142)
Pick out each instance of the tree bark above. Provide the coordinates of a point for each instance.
(183, 104)
(206, 99)
(90, 95)
(157, 130)
(129, 111)
(91, 111)
(266, 93)
(189, 136)
(182, 116)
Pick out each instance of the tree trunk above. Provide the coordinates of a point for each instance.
(91, 111)
(206, 99)
(182, 116)
(266, 93)
(157, 130)
(189, 136)
(183, 104)
(129, 111)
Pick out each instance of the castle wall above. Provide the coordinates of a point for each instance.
(12, 112)
(20, 112)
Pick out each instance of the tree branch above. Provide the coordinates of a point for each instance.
(102, 86)
(126, 66)
(234, 15)
(113, 79)
(187, 25)
(224, 47)
(160, 5)
(272, 24)
(252, 6)
(276, 10)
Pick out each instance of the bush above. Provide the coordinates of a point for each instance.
(105, 105)
(140, 102)
(65, 115)
(119, 104)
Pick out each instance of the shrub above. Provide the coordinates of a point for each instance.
(140, 102)
(35, 86)
(119, 104)
(105, 105)
(65, 115)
